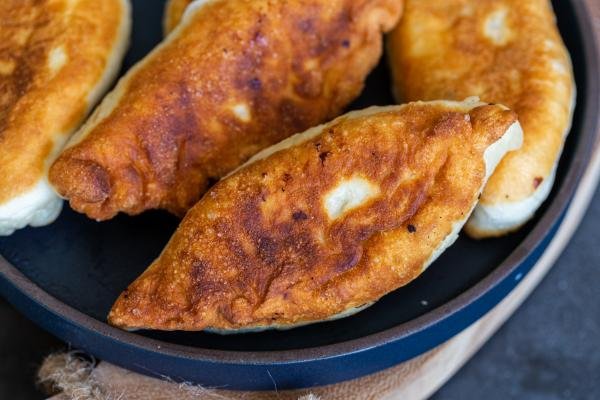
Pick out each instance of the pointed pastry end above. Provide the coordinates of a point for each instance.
(84, 183)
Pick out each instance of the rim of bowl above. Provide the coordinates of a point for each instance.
(589, 129)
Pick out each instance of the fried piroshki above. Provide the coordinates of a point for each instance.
(324, 223)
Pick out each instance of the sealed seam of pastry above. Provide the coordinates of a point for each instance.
(174, 10)
(233, 78)
(504, 51)
(57, 59)
(325, 223)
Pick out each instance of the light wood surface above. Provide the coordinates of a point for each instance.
(416, 379)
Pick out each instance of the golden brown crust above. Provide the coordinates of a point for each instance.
(235, 77)
(504, 51)
(53, 53)
(262, 248)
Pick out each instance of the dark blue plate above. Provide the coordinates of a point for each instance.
(66, 276)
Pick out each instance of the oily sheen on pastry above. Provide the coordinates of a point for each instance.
(323, 224)
(234, 77)
(504, 51)
(57, 58)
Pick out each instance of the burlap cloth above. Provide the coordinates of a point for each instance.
(74, 377)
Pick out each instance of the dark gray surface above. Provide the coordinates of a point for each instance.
(22, 348)
(550, 348)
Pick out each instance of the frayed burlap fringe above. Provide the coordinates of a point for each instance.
(73, 376)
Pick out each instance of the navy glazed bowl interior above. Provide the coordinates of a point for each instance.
(66, 276)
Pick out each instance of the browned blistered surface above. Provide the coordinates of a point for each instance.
(174, 10)
(260, 248)
(504, 51)
(235, 77)
(52, 53)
